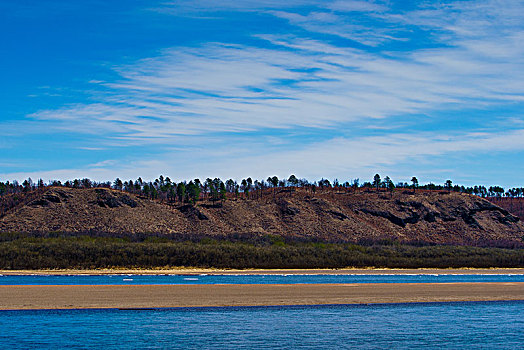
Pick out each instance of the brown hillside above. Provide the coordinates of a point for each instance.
(513, 205)
(450, 218)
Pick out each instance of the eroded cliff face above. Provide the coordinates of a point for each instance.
(437, 217)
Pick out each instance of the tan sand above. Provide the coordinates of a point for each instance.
(155, 296)
(196, 271)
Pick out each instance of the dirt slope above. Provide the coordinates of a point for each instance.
(431, 217)
(513, 205)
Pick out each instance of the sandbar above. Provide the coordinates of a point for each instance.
(166, 296)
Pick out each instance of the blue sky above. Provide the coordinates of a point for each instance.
(335, 89)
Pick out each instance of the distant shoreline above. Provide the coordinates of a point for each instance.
(23, 297)
(198, 271)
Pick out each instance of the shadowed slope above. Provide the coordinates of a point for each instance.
(436, 217)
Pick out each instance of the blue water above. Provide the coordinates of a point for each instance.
(472, 325)
(247, 279)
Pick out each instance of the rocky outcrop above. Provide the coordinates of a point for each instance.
(53, 196)
(192, 212)
(108, 199)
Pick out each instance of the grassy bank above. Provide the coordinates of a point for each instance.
(88, 252)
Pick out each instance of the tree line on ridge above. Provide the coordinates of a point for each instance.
(164, 189)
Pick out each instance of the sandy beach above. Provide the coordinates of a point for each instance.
(157, 296)
(197, 271)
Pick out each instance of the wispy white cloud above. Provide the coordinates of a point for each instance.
(357, 6)
(207, 6)
(342, 25)
(104, 163)
(244, 95)
(91, 148)
(299, 82)
(338, 157)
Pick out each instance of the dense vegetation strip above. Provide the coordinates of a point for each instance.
(88, 252)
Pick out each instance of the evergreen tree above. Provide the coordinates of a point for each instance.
(376, 181)
(414, 181)
(181, 191)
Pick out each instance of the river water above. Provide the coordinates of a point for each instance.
(251, 279)
(458, 325)
(470, 325)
